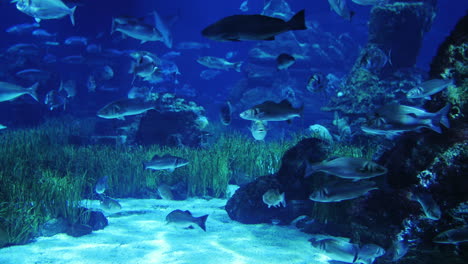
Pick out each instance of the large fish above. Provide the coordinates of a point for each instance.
(402, 115)
(341, 191)
(45, 9)
(271, 111)
(166, 162)
(185, 217)
(452, 236)
(430, 207)
(125, 107)
(9, 91)
(348, 168)
(252, 27)
(219, 63)
(137, 30)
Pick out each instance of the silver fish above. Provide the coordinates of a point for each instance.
(186, 218)
(9, 91)
(452, 236)
(166, 162)
(337, 249)
(45, 9)
(258, 130)
(341, 191)
(271, 111)
(348, 168)
(125, 107)
(428, 88)
(430, 207)
(137, 30)
(165, 192)
(110, 204)
(219, 63)
(101, 185)
(273, 198)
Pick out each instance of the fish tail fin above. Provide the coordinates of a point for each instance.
(201, 221)
(310, 169)
(32, 91)
(238, 65)
(72, 15)
(144, 165)
(283, 200)
(297, 22)
(442, 116)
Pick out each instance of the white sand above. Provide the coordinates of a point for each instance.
(145, 238)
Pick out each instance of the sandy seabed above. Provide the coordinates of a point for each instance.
(139, 234)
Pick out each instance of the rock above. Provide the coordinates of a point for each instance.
(78, 230)
(97, 220)
(53, 227)
(399, 28)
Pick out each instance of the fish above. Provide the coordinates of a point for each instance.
(402, 115)
(230, 54)
(104, 73)
(171, 55)
(452, 236)
(163, 29)
(9, 91)
(271, 111)
(252, 27)
(192, 45)
(137, 30)
(341, 191)
(201, 122)
(46, 9)
(219, 63)
(101, 185)
(186, 217)
(397, 250)
(428, 88)
(374, 59)
(369, 252)
(144, 66)
(69, 87)
(430, 207)
(22, 28)
(209, 74)
(91, 84)
(225, 113)
(389, 131)
(368, 2)
(166, 162)
(43, 33)
(3, 127)
(337, 249)
(125, 107)
(165, 192)
(320, 132)
(139, 92)
(258, 130)
(25, 49)
(244, 6)
(316, 82)
(284, 61)
(340, 7)
(54, 99)
(348, 168)
(33, 75)
(76, 40)
(273, 198)
(110, 204)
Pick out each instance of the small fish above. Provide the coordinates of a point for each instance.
(348, 168)
(42, 33)
(49, 58)
(185, 217)
(54, 99)
(219, 63)
(428, 88)
(316, 83)
(225, 113)
(244, 6)
(9, 91)
(137, 29)
(389, 131)
(165, 192)
(23, 49)
(163, 29)
(209, 74)
(166, 162)
(430, 207)
(252, 27)
(402, 115)
(258, 130)
(74, 59)
(284, 61)
(3, 127)
(271, 111)
(342, 191)
(230, 54)
(337, 249)
(452, 236)
(101, 185)
(91, 84)
(22, 28)
(144, 66)
(192, 45)
(110, 204)
(33, 75)
(368, 2)
(50, 9)
(76, 41)
(69, 87)
(273, 198)
(340, 7)
(125, 107)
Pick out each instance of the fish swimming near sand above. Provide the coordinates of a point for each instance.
(341, 191)
(348, 168)
(273, 198)
(252, 27)
(186, 218)
(166, 162)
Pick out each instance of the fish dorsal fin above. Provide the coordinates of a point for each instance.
(156, 156)
(285, 102)
(166, 155)
(188, 212)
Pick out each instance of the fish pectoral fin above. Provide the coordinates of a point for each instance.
(171, 169)
(38, 20)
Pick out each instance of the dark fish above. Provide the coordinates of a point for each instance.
(316, 82)
(252, 27)
(185, 217)
(54, 99)
(284, 61)
(225, 113)
(452, 236)
(348, 168)
(342, 191)
(271, 111)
